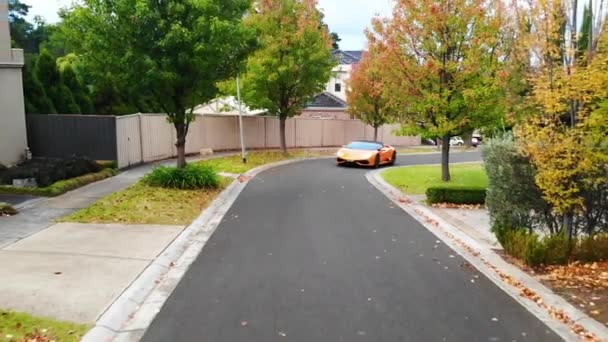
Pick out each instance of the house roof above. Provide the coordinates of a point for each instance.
(226, 106)
(348, 56)
(326, 100)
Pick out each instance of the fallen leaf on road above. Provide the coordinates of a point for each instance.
(244, 324)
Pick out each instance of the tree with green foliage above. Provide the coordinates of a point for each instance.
(294, 60)
(335, 40)
(176, 50)
(36, 100)
(443, 64)
(20, 28)
(48, 74)
(79, 92)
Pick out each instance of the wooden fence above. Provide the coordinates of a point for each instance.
(148, 137)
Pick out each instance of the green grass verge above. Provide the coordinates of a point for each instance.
(16, 326)
(61, 186)
(234, 164)
(416, 179)
(143, 204)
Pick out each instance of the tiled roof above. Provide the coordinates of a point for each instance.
(326, 100)
(348, 57)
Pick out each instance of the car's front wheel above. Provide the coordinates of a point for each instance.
(393, 159)
(377, 161)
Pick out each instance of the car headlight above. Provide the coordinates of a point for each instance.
(340, 154)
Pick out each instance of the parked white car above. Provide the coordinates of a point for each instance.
(456, 141)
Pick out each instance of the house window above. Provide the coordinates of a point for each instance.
(337, 87)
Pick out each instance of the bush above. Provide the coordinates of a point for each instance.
(456, 195)
(62, 186)
(108, 164)
(513, 199)
(49, 170)
(7, 209)
(592, 248)
(533, 250)
(193, 176)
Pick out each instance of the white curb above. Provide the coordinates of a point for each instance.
(441, 229)
(128, 317)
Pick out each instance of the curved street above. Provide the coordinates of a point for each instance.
(313, 252)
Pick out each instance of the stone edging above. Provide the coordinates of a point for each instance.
(495, 268)
(128, 317)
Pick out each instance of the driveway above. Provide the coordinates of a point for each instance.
(313, 252)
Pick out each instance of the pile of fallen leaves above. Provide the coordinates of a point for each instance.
(593, 276)
(584, 285)
(457, 206)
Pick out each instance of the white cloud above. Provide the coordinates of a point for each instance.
(47, 9)
(348, 18)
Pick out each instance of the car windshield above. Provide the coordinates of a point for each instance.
(363, 145)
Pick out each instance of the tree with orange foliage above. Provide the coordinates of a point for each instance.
(294, 59)
(443, 66)
(366, 97)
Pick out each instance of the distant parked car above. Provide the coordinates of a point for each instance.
(456, 141)
(475, 141)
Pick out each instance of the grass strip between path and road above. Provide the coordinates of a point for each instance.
(21, 327)
(144, 204)
(234, 163)
(414, 180)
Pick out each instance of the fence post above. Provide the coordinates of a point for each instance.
(141, 139)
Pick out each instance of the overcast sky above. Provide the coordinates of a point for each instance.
(346, 17)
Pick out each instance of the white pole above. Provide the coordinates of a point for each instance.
(238, 96)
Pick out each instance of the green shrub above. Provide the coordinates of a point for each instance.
(513, 199)
(456, 195)
(108, 164)
(592, 248)
(7, 209)
(49, 170)
(516, 242)
(62, 186)
(533, 250)
(193, 176)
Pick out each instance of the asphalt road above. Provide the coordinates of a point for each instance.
(312, 252)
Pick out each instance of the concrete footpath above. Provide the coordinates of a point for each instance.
(73, 271)
(40, 213)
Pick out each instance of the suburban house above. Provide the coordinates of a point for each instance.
(226, 106)
(331, 104)
(13, 134)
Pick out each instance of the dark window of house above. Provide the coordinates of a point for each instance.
(338, 87)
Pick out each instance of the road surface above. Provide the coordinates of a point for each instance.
(312, 252)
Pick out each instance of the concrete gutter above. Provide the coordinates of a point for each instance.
(495, 268)
(128, 317)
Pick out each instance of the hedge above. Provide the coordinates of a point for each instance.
(456, 195)
(7, 209)
(61, 186)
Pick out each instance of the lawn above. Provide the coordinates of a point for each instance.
(143, 204)
(416, 179)
(234, 164)
(23, 327)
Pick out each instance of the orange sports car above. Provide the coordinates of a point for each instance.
(366, 153)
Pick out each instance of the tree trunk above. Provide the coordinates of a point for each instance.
(467, 138)
(445, 158)
(282, 133)
(182, 130)
(375, 133)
